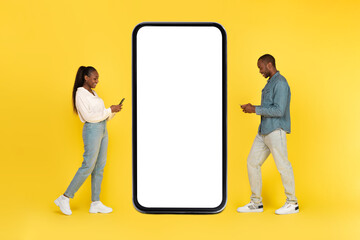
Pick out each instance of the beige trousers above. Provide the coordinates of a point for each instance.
(274, 143)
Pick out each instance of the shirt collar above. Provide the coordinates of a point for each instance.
(84, 89)
(274, 76)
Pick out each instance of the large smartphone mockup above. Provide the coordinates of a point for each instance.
(179, 117)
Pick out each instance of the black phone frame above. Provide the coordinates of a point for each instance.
(167, 210)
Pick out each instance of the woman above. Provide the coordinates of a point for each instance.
(92, 112)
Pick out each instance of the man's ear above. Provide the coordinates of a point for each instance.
(269, 65)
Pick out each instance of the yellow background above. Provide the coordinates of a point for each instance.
(316, 45)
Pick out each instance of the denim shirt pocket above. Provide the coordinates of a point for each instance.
(267, 96)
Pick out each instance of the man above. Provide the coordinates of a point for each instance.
(271, 138)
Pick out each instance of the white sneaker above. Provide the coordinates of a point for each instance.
(288, 208)
(98, 207)
(63, 203)
(251, 207)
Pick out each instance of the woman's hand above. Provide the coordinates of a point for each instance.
(116, 108)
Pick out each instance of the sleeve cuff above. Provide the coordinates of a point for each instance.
(258, 110)
(111, 115)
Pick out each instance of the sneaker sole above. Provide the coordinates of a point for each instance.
(58, 204)
(92, 211)
(296, 211)
(252, 211)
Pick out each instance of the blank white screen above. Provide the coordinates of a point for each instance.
(179, 117)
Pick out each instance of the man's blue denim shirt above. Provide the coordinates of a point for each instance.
(275, 105)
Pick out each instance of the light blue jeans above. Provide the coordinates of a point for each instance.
(95, 138)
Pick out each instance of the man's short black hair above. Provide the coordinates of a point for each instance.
(268, 58)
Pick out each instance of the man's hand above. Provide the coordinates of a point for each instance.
(248, 108)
